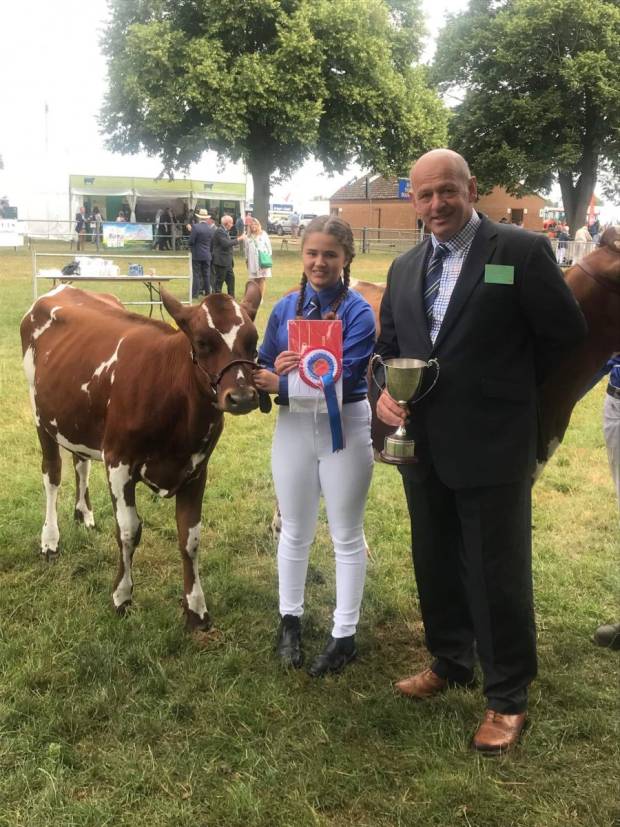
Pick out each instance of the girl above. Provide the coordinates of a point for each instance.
(303, 463)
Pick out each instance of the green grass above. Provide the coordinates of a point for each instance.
(123, 722)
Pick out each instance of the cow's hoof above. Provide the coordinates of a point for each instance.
(195, 623)
(124, 609)
(86, 520)
(50, 555)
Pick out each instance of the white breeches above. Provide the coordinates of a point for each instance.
(304, 466)
(611, 429)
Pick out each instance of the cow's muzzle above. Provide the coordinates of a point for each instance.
(239, 399)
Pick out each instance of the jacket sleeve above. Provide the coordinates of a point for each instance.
(552, 311)
(387, 343)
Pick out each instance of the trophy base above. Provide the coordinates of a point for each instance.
(398, 451)
(391, 460)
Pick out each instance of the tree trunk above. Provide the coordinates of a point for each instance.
(576, 198)
(260, 170)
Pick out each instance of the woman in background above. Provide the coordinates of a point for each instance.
(258, 253)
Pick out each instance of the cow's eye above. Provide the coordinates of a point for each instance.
(202, 344)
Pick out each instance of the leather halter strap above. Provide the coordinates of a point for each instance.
(214, 381)
(607, 284)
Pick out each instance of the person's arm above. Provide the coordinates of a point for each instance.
(273, 377)
(357, 345)
(555, 317)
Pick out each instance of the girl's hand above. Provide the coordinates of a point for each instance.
(265, 380)
(286, 361)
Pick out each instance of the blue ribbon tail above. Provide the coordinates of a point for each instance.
(333, 411)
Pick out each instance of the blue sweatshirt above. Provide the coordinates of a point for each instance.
(358, 336)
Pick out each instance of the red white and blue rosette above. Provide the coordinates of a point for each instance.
(319, 368)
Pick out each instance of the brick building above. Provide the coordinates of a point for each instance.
(374, 201)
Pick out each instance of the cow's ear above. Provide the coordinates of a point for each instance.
(251, 299)
(178, 311)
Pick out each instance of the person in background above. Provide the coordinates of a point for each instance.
(156, 224)
(583, 239)
(257, 246)
(222, 256)
(608, 634)
(80, 228)
(200, 241)
(294, 224)
(488, 301)
(304, 463)
(239, 230)
(563, 239)
(97, 220)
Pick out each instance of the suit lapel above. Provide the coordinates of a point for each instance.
(480, 252)
(416, 291)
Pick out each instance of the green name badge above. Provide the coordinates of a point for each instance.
(499, 274)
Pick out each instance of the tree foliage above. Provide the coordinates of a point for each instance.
(542, 95)
(270, 82)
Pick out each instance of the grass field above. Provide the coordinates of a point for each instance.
(123, 722)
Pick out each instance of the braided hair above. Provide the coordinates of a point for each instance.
(341, 231)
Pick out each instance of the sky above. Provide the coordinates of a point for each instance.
(53, 53)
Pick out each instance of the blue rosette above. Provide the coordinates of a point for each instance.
(320, 369)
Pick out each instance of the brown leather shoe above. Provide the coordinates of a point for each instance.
(498, 733)
(424, 685)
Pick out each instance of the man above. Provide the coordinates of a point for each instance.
(489, 303)
(200, 240)
(80, 228)
(294, 225)
(222, 255)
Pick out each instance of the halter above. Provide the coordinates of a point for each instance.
(606, 283)
(214, 381)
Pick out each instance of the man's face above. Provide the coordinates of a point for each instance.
(442, 195)
(227, 222)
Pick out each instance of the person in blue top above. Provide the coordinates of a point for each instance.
(609, 633)
(304, 463)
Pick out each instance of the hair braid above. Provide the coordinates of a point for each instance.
(299, 309)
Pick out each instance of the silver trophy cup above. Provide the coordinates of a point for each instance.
(402, 381)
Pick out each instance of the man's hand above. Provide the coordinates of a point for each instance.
(389, 411)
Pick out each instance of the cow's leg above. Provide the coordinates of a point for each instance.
(189, 509)
(83, 512)
(51, 468)
(128, 530)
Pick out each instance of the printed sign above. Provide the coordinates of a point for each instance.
(9, 234)
(123, 233)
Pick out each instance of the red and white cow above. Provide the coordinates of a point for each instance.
(146, 399)
(595, 282)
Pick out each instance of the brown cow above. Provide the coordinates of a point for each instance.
(595, 282)
(146, 399)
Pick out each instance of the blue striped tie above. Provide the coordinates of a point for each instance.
(432, 278)
(313, 311)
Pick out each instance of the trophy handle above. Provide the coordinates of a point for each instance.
(435, 364)
(376, 358)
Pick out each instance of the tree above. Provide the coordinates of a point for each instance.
(270, 82)
(542, 95)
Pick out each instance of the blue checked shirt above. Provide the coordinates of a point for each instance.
(458, 247)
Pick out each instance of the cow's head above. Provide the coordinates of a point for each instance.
(223, 342)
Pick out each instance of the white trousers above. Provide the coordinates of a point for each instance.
(304, 466)
(611, 429)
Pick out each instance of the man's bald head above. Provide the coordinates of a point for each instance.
(443, 191)
(445, 157)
